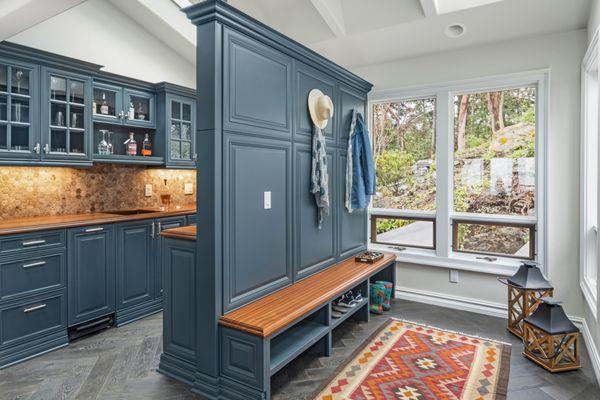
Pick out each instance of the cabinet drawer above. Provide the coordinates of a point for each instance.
(32, 274)
(15, 244)
(25, 320)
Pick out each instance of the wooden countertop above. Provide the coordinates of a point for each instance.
(183, 232)
(34, 224)
(271, 313)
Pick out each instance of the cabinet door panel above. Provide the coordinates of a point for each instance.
(108, 104)
(349, 100)
(91, 277)
(162, 224)
(257, 248)
(180, 294)
(307, 79)
(143, 112)
(135, 263)
(19, 112)
(352, 226)
(257, 87)
(315, 248)
(180, 130)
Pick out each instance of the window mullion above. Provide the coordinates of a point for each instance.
(444, 154)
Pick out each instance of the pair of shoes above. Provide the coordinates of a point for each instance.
(336, 315)
(348, 301)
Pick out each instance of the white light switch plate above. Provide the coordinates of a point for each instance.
(148, 190)
(188, 188)
(453, 276)
(267, 200)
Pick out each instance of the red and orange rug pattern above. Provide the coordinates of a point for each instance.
(408, 361)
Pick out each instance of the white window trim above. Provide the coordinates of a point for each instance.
(443, 256)
(588, 288)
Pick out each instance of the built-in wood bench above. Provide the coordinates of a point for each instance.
(260, 338)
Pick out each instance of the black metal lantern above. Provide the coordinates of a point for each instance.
(526, 288)
(551, 340)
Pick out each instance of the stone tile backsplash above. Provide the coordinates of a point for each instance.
(37, 191)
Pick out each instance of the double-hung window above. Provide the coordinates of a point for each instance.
(590, 187)
(460, 172)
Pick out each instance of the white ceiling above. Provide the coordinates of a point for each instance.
(358, 32)
(353, 33)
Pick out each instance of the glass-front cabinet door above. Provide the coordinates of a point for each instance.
(181, 117)
(18, 96)
(107, 105)
(66, 116)
(139, 108)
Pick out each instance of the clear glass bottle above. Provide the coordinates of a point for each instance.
(131, 145)
(141, 113)
(102, 144)
(111, 149)
(104, 106)
(131, 114)
(146, 146)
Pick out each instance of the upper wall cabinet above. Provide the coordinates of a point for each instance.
(122, 106)
(180, 131)
(308, 78)
(257, 87)
(19, 136)
(66, 117)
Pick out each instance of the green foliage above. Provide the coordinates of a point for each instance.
(388, 224)
(394, 168)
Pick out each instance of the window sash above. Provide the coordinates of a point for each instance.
(373, 234)
(444, 214)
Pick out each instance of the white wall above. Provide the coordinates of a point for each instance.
(592, 323)
(97, 32)
(562, 53)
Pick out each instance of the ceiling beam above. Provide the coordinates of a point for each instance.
(17, 16)
(430, 8)
(332, 13)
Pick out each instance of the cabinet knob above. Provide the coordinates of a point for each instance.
(37, 149)
(47, 148)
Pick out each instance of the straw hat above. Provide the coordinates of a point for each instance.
(320, 107)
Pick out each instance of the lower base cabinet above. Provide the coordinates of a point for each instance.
(91, 273)
(139, 270)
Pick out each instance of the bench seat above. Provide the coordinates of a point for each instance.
(268, 315)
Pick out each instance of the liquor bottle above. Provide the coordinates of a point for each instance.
(102, 144)
(131, 114)
(104, 106)
(94, 107)
(147, 146)
(131, 145)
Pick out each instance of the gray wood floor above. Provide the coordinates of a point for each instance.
(121, 363)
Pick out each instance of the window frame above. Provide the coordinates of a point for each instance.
(589, 286)
(400, 246)
(443, 255)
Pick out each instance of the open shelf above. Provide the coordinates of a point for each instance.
(289, 344)
(122, 159)
(335, 322)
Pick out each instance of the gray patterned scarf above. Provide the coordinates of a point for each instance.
(319, 182)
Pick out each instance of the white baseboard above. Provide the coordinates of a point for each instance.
(493, 309)
(456, 302)
(590, 344)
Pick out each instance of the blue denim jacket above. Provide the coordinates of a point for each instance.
(363, 166)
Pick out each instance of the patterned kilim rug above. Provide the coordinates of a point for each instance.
(407, 361)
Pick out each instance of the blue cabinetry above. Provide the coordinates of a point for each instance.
(19, 133)
(33, 302)
(91, 276)
(139, 268)
(123, 106)
(66, 118)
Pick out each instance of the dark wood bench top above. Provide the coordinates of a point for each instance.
(271, 313)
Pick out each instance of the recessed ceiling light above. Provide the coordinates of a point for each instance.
(455, 30)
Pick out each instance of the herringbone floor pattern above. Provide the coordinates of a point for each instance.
(121, 363)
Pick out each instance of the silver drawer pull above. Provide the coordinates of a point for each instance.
(35, 264)
(33, 242)
(34, 308)
(93, 230)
